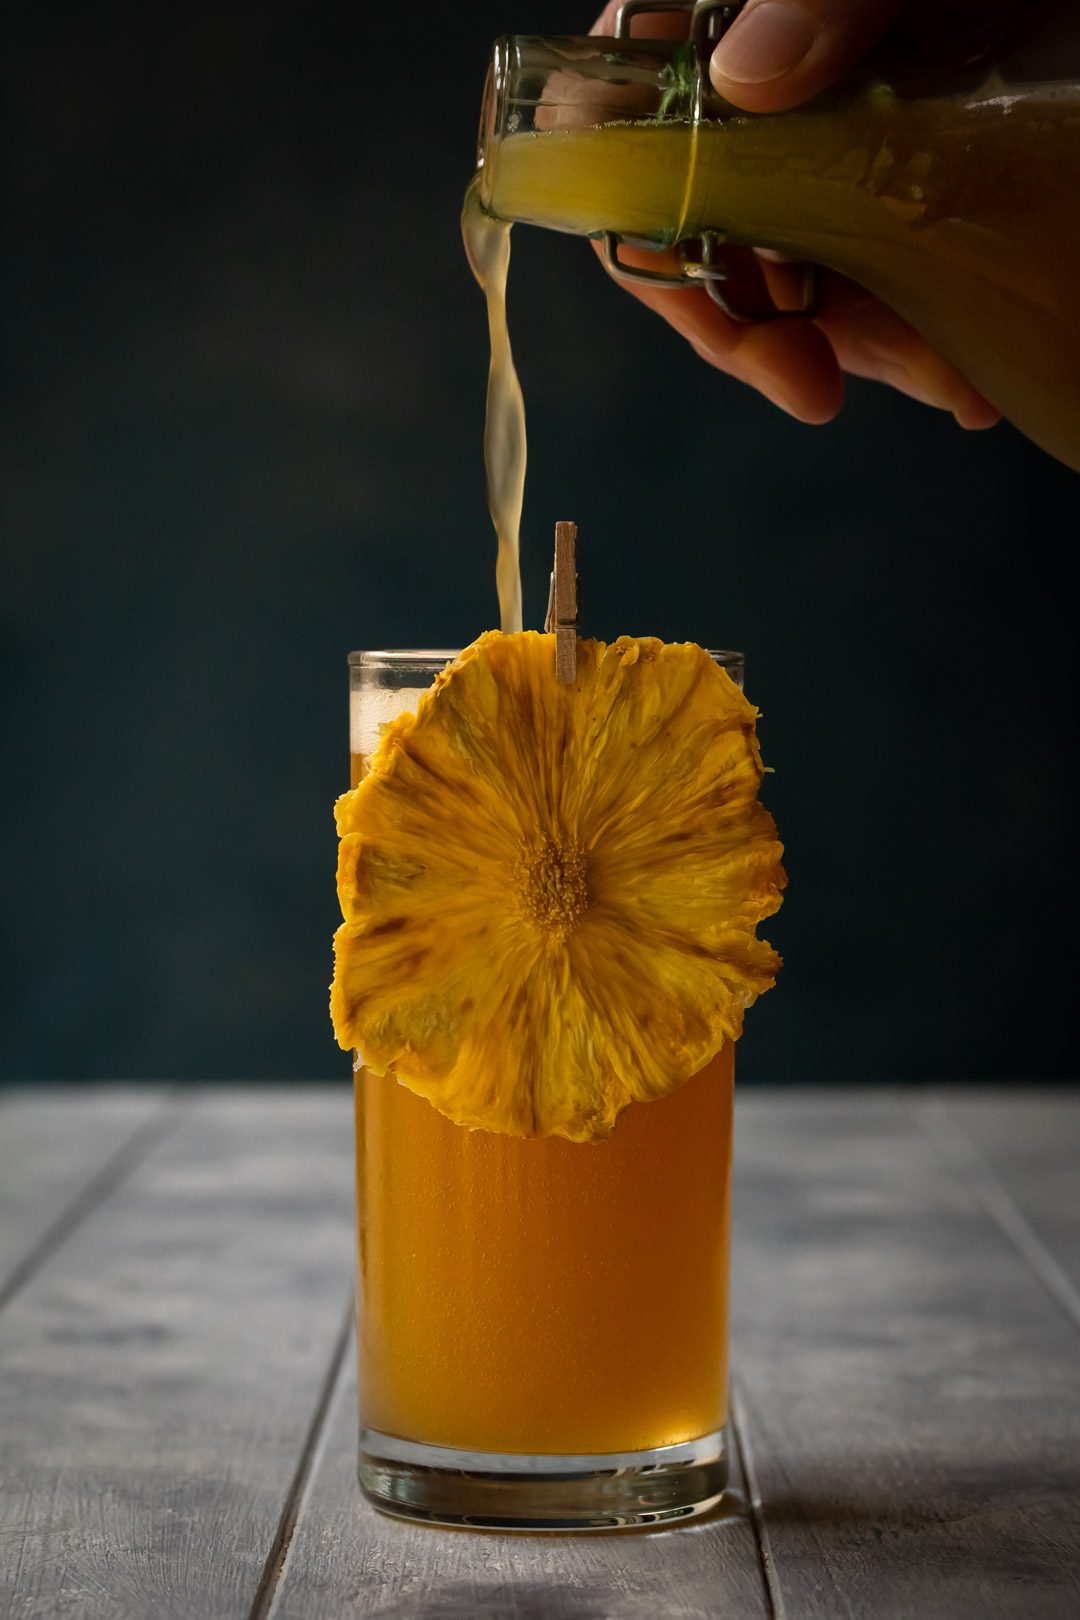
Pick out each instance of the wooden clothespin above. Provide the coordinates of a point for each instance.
(563, 613)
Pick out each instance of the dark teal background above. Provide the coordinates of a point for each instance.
(246, 378)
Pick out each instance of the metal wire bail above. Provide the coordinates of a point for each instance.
(709, 21)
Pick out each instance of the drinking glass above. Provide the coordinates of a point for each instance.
(542, 1324)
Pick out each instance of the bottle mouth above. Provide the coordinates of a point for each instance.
(546, 85)
(491, 101)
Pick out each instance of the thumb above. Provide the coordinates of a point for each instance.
(778, 53)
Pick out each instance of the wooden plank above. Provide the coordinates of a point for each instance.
(910, 1391)
(62, 1149)
(160, 1374)
(1021, 1149)
(347, 1559)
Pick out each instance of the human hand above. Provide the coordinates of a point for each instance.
(777, 54)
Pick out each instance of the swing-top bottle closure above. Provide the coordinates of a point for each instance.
(701, 259)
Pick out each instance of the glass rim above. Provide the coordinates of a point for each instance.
(402, 657)
(394, 657)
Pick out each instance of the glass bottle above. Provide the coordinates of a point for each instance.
(949, 191)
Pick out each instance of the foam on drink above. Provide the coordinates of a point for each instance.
(370, 709)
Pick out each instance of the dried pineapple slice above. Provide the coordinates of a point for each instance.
(550, 892)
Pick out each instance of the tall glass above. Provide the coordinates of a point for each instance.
(542, 1324)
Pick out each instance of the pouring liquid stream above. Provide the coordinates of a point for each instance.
(487, 245)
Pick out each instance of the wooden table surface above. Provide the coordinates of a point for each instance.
(177, 1418)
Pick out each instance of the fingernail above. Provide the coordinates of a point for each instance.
(764, 43)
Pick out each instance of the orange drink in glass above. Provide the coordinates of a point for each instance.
(542, 1323)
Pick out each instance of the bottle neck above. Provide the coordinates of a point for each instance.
(553, 86)
(600, 104)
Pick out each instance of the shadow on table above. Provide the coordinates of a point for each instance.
(976, 1528)
(526, 1600)
(942, 1498)
(519, 1599)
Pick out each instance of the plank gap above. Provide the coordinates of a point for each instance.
(270, 1582)
(741, 1436)
(117, 1167)
(961, 1152)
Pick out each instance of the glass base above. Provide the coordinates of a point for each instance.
(501, 1490)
